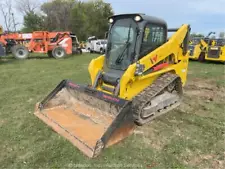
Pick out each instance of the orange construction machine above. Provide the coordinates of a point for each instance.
(55, 44)
(9, 40)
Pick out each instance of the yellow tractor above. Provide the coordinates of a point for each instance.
(140, 77)
(216, 51)
(207, 49)
(199, 46)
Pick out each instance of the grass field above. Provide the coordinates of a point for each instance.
(192, 136)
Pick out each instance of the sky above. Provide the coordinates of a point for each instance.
(203, 15)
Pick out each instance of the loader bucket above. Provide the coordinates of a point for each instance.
(91, 120)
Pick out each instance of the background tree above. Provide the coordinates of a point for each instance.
(101, 11)
(7, 11)
(27, 6)
(90, 18)
(79, 20)
(58, 14)
(84, 18)
(197, 35)
(33, 22)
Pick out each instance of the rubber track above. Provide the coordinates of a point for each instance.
(158, 86)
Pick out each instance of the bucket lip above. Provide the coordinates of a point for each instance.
(85, 89)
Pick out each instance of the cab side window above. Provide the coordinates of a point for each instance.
(154, 36)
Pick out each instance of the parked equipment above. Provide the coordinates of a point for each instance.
(198, 48)
(140, 77)
(98, 46)
(57, 45)
(2, 49)
(216, 52)
(207, 49)
(8, 40)
(89, 44)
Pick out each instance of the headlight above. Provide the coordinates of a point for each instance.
(110, 20)
(137, 18)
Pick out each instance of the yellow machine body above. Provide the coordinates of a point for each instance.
(216, 52)
(130, 84)
(139, 78)
(213, 50)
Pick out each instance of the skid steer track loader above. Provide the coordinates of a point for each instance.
(198, 49)
(139, 78)
(216, 52)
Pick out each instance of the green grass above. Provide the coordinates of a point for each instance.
(191, 136)
(209, 70)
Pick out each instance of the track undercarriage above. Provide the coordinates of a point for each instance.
(159, 98)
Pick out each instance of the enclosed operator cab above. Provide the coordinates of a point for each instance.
(130, 38)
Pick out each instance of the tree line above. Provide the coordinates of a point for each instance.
(84, 18)
(199, 35)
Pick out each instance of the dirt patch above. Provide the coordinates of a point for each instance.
(197, 160)
(207, 161)
(204, 89)
(2, 122)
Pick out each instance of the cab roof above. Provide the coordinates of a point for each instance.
(148, 18)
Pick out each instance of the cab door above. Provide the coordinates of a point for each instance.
(153, 37)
